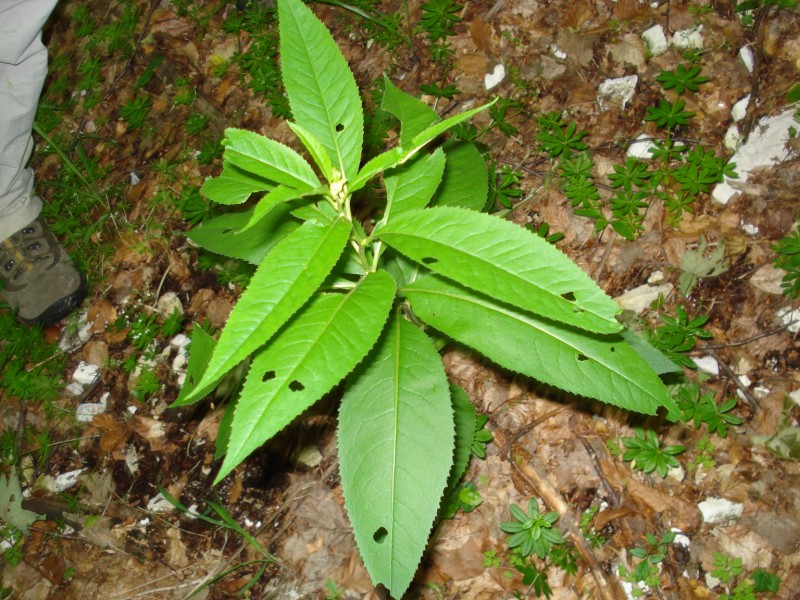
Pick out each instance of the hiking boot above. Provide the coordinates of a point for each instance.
(40, 281)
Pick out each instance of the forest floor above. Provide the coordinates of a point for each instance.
(129, 127)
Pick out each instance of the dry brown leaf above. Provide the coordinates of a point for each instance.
(153, 431)
(95, 352)
(101, 314)
(236, 489)
(481, 33)
(625, 9)
(208, 429)
(115, 434)
(176, 550)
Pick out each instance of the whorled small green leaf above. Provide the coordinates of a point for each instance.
(283, 282)
(466, 180)
(395, 451)
(311, 354)
(315, 149)
(504, 261)
(267, 158)
(604, 367)
(321, 88)
(271, 200)
(412, 186)
(200, 351)
(233, 185)
(414, 115)
(221, 234)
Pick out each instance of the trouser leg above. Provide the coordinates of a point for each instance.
(23, 68)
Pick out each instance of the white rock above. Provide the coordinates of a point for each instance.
(681, 539)
(640, 298)
(617, 91)
(739, 110)
(656, 277)
(676, 474)
(746, 54)
(179, 341)
(493, 79)
(765, 146)
(159, 504)
(689, 39)
(719, 510)
(168, 304)
(558, 52)
(707, 364)
(131, 459)
(74, 389)
(85, 374)
(745, 381)
(656, 40)
(790, 318)
(135, 179)
(795, 396)
(64, 481)
(86, 411)
(761, 391)
(640, 148)
(750, 229)
(733, 139)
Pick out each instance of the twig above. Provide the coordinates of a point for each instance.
(742, 342)
(755, 76)
(731, 375)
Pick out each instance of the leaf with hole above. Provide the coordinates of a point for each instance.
(504, 261)
(395, 451)
(296, 369)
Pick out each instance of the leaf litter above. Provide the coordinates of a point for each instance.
(546, 444)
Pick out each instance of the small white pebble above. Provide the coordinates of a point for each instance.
(746, 54)
(179, 341)
(750, 229)
(689, 39)
(795, 396)
(719, 510)
(558, 52)
(707, 364)
(790, 317)
(681, 539)
(619, 90)
(74, 389)
(64, 481)
(656, 40)
(733, 139)
(159, 504)
(86, 411)
(739, 110)
(493, 79)
(135, 179)
(85, 374)
(640, 148)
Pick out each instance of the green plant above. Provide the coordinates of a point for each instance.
(533, 532)
(704, 457)
(646, 573)
(481, 436)
(438, 18)
(728, 569)
(679, 334)
(333, 591)
(787, 257)
(136, 110)
(147, 384)
(682, 79)
(590, 534)
(645, 452)
(326, 285)
(506, 186)
(704, 409)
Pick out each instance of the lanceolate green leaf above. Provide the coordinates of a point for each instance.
(269, 159)
(275, 197)
(315, 149)
(411, 186)
(221, 234)
(414, 115)
(395, 452)
(282, 284)
(465, 417)
(233, 186)
(316, 349)
(504, 261)
(200, 351)
(603, 367)
(466, 181)
(322, 92)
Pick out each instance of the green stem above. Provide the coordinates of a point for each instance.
(67, 162)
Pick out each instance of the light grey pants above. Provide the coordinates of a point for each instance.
(23, 68)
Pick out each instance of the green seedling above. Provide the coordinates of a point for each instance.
(682, 79)
(482, 436)
(646, 454)
(532, 532)
(590, 534)
(647, 572)
(449, 91)
(679, 334)
(728, 569)
(704, 409)
(704, 454)
(787, 257)
(327, 284)
(506, 189)
(136, 110)
(439, 17)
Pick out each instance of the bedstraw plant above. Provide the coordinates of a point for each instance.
(334, 299)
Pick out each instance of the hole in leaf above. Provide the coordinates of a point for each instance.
(568, 296)
(613, 348)
(429, 260)
(582, 357)
(339, 127)
(296, 386)
(267, 376)
(380, 534)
